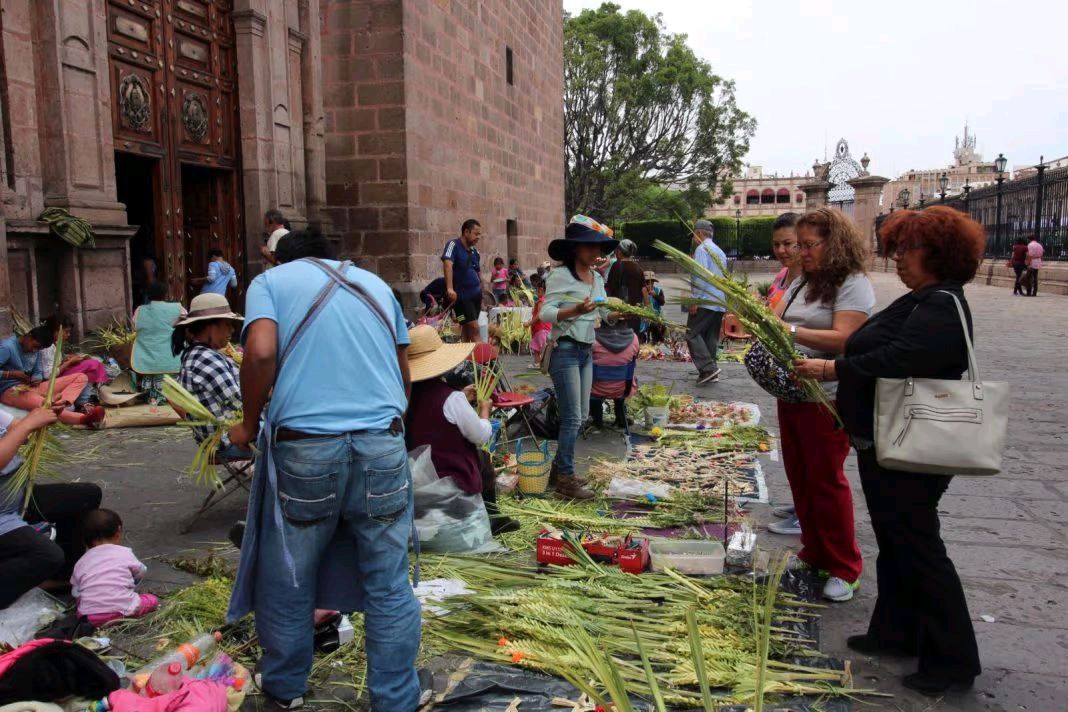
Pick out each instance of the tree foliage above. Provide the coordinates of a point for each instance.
(641, 111)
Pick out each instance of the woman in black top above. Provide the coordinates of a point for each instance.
(921, 609)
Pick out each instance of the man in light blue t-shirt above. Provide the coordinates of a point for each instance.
(705, 320)
(330, 510)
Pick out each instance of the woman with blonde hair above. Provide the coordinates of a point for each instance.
(822, 308)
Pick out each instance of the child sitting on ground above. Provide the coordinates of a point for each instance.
(106, 577)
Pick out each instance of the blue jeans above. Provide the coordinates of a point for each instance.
(571, 369)
(357, 486)
(233, 452)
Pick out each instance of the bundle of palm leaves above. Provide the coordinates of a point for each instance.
(117, 333)
(666, 638)
(202, 470)
(755, 316)
(69, 228)
(42, 450)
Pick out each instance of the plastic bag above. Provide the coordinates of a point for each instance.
(448, 519)
(627, 488)
(33, 611)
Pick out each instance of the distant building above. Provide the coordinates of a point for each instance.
(1026, 171)
(968, 168)
(758, 194)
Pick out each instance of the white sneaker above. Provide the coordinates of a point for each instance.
(839, 590)
(785, 512)
(789, 527)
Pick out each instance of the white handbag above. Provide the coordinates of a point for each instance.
(942, 427)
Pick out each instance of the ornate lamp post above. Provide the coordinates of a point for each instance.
(943, 183)
(966, 190)
(999, 166)
(903, 198)
(738, 228)
(923, 198)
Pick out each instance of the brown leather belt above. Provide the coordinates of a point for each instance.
(285, 434)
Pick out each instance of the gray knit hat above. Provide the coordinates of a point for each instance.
(703, 225)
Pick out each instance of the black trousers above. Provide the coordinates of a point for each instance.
(1032, 289)
(1019, 270)
(489, 482)
(28, 558)
(921, 604)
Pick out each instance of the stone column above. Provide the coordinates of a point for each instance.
(869, 191)
(257, 150)
(74, 109)
(815, 193)
(5, 283)
(314, 129)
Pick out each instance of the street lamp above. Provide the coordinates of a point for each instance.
(943, 183)
(999, 166)
(903, 198)
(738, 227)
(923, 198)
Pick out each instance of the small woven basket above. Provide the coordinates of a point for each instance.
(533, 467)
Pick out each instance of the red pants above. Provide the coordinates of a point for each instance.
(814, 452)
(149, 603)
(68, 388)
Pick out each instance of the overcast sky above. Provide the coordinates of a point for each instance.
(895, 79)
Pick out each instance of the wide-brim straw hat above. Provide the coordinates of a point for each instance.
(579, 234)
(650, 276)
(208, 306)
(429, 357)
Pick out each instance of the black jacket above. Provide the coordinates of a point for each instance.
(919, 335)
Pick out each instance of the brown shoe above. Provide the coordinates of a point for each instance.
(571, 488)
(554, 476)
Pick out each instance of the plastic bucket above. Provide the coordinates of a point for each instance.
(533, 466)
(657, 417)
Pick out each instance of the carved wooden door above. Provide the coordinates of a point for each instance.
(174, 92)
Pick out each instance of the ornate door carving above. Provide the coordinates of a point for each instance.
(174, 90)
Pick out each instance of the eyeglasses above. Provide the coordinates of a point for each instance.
(809, 246)
(900, 250)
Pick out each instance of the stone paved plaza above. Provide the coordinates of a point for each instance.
(1006, 534)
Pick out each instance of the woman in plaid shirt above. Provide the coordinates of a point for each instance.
(207, 373)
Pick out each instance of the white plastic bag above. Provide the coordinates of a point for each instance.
(448, 519)
(627, 488)
(33, 611)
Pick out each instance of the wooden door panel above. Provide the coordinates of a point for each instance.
(174, 96)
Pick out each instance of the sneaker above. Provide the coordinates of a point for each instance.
(237, 533)
(94, 415)
(709, 377)
(273, 703)
(571, 488)
(785, 512)
(789, 527)
(839, 590)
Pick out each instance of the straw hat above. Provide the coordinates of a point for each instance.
(429, 357)
(650, 276)
(208, 306)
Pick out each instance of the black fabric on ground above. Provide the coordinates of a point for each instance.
(27, 558)
(56, 671)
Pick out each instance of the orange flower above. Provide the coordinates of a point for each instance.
(502, 642)
(762, 447)
(517, 656)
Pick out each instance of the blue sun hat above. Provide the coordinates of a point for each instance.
(583, 230)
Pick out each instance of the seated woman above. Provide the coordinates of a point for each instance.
(73, 362)
(24, 382)
(206, 373)
(441, 416)
(615, 356)
(28, 557)
(152, 357)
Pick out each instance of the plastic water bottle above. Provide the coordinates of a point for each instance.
(165, 679)
(185, 655)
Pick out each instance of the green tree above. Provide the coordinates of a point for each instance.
(641, 110)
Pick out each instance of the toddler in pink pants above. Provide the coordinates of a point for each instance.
(105, 578)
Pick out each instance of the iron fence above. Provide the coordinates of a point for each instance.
(1032, 207)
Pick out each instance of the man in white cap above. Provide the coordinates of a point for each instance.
(705, 319)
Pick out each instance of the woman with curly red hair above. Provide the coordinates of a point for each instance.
(921, 609)
(830, 299)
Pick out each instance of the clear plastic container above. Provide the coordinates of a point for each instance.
(687, 556)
